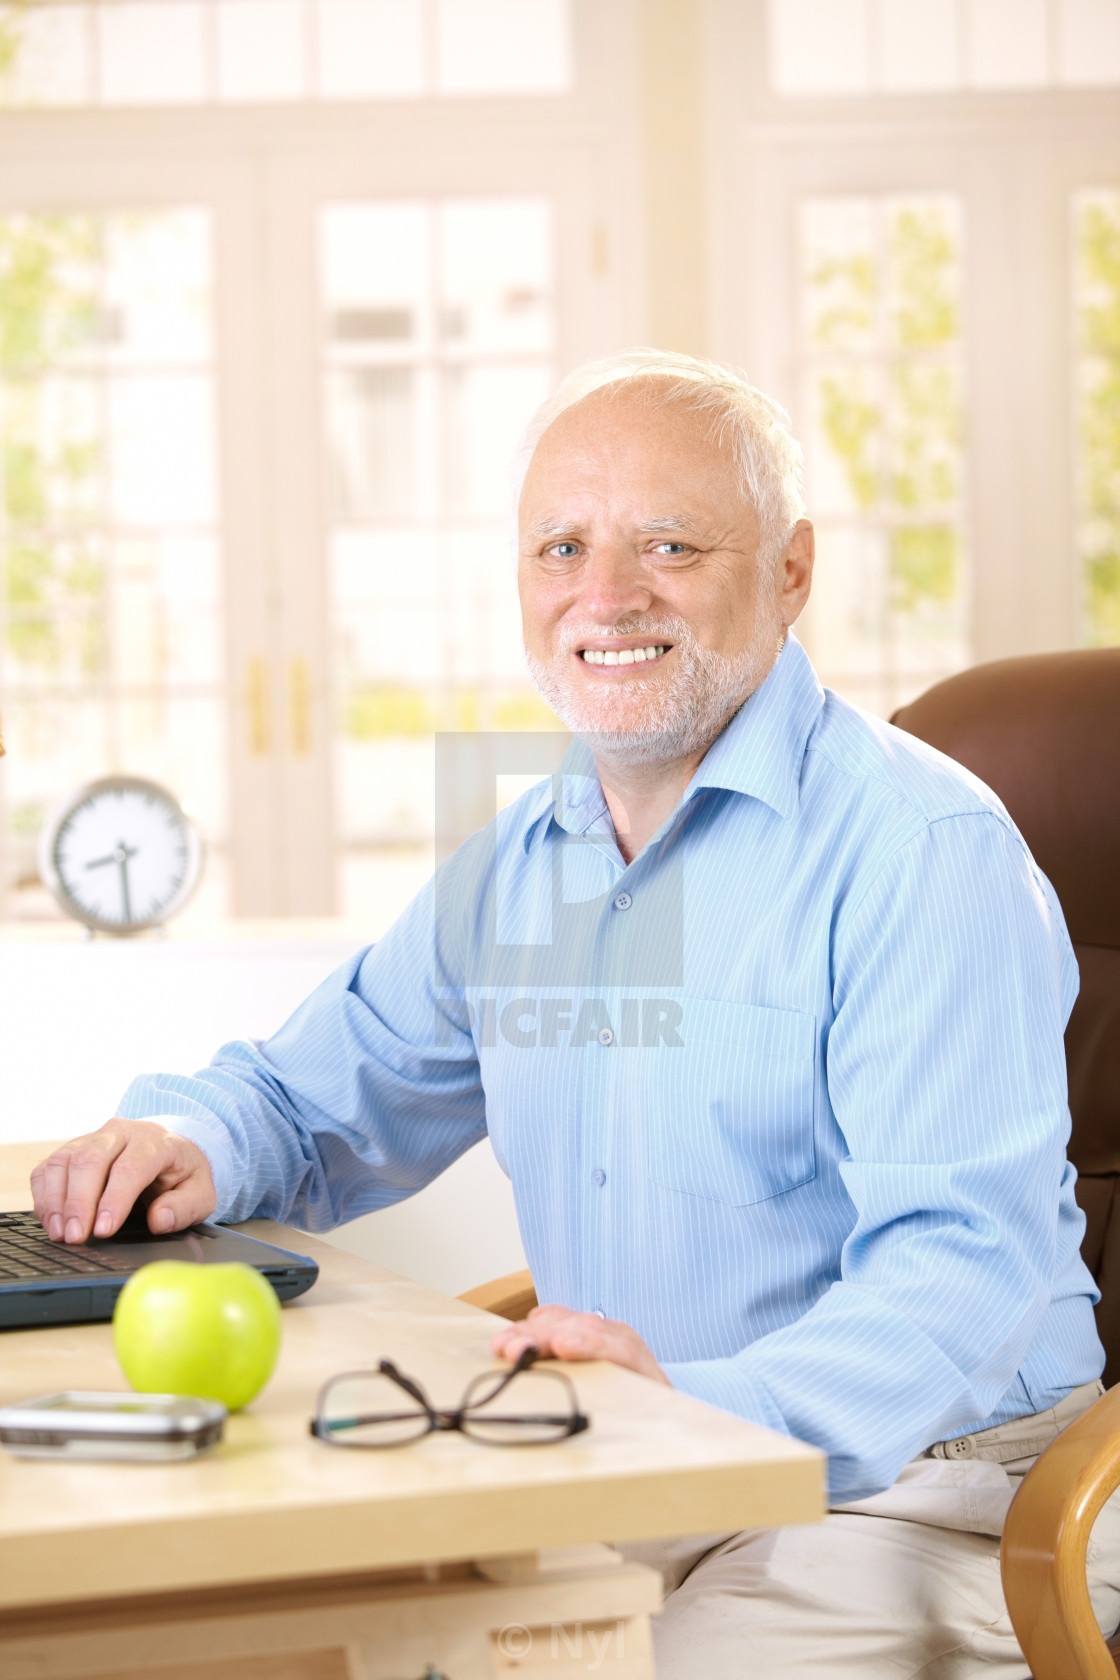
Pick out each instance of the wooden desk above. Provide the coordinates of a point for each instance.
(277, 1558)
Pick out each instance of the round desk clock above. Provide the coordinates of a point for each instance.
(120, 855)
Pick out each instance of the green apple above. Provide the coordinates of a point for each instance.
(211, 1331)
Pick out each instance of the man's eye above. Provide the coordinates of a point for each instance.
(564, 550)
(672, 549)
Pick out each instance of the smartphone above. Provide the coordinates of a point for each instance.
(145, 1427)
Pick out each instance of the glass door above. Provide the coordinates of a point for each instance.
(444, 316)
(112, 656)
(136, 598)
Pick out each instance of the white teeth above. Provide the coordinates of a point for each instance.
(623, 656)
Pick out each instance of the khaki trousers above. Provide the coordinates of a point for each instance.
(904, 1584)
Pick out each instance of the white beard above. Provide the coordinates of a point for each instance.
(656, 719)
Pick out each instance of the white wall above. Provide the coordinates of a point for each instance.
(79, 1018)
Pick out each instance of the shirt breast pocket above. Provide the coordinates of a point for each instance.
(731, 1107)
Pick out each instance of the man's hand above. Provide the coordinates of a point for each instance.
(559, 1333)
(90, 1185)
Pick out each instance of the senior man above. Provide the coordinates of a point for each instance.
(761, 1003)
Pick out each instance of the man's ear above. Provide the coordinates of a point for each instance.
(796, 577)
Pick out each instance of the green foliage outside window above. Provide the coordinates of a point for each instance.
(922, 268)
(50, 467)
(897, 435)
(1098, 257)
(852, 423)
(923, 563)
(11, 34)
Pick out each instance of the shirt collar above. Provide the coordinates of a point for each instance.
(758, 753)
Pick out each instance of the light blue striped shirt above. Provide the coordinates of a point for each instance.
(786, 1094)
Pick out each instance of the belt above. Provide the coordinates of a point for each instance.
(1023, 1437)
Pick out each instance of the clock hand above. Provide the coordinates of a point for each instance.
(120, 852)
(122, 855)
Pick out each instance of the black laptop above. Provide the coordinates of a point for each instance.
(44, 1282)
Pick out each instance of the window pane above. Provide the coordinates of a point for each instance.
(916, 46)
(158, 52)
(372, 421)
(369, 48)
(375, 273)
(1089, 42)
(151, 54)
(111, 657)
(1097, 399)
(161, 448)
(503, 46)
(485, 410)
(1006, 43)
(819, 46)
(165, 609)
(881, 305)
(919, 45)
(488, 646)
(44, 55)
(157, 288)
(261, 49)
(54, 456)
(496, 275)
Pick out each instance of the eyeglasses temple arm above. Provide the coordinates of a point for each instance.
(388, 1369)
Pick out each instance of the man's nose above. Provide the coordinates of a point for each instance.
(614, 584)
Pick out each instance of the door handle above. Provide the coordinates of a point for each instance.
(259, 705)
(299, 706)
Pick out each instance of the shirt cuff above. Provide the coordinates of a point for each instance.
(214, 1142)
(724, 1383)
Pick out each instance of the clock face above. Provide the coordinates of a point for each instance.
(121, 855)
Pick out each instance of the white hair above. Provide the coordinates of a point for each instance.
(767, 455)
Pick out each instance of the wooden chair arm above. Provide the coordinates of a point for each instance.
(512, 1297)
(1042, 1556)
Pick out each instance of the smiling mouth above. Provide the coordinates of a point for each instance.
(624, 656)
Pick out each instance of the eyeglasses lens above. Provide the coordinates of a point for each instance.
(537, 1406)
(369, 1410)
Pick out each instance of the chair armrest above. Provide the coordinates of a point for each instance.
(1045, 1538)
(512, 1296)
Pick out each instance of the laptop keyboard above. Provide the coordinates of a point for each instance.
(27, 1253)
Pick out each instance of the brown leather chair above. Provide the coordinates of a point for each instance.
(1044, 733)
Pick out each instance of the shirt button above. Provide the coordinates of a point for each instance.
(599, 1177)
(606, 1035)
(599, 1313)
(623, 901)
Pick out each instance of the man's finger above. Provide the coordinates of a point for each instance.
(188, 1204)
(42, 1181)
(535, 1331)
(53, 1175)
(138, 1165)
(91, 1163)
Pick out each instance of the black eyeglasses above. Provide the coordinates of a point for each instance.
(364, 1408)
